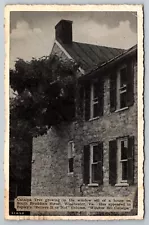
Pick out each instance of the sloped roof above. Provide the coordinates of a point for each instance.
(90, 56)
(127, 53)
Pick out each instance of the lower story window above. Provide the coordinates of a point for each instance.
(93, 163)
(121, 161)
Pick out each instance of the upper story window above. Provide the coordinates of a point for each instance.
(94, 94)
(93, 164)
(95, 104)
(70, 156)
(122, 87)
(121, 161)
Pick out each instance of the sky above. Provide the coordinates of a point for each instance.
(33, 33)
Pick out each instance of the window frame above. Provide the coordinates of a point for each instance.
(120, 90)
(120, 161)
(93, 101)
(92, 163)
(71, 150)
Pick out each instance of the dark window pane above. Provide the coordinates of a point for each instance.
(95, 110)
(96, 153)
(70, 165)
(124, 170)
(123, 100)
(123, 150)
(95, 91)
(95, 175)
(123, 77)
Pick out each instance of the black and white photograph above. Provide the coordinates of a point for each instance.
(75, 108)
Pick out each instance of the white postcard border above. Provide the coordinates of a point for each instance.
(122, 7)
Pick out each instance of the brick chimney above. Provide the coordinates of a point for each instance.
(63, 31)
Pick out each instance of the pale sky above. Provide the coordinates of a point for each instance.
(33, 33)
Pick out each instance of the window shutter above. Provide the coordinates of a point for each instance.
(81, 101)
(113, 79)
(86, 165)
(100, 164)
(112, 162)
(101, 96)
(130, 84)
(69, 151)
(87, 101)
(130, 160)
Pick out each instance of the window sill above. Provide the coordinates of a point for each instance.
(119, 110)
(92, 185)
(70, 174)
(96, 118)
(122, 185)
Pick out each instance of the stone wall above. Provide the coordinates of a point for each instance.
(50, 152)
(50, 157)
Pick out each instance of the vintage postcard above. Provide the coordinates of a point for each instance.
(74, 112)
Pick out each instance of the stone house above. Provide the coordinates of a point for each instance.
(95, 155)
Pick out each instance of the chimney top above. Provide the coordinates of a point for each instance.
(63, 31)
(63, 21)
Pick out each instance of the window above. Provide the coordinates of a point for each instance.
(121, 160)
(94, 99)
(70, 156)
(93, 162)
(121, 87)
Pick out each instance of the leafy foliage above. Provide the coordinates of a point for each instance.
(46, 93)
(45, 97)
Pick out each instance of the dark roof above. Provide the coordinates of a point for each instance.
(119, 58)
(90, 56)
